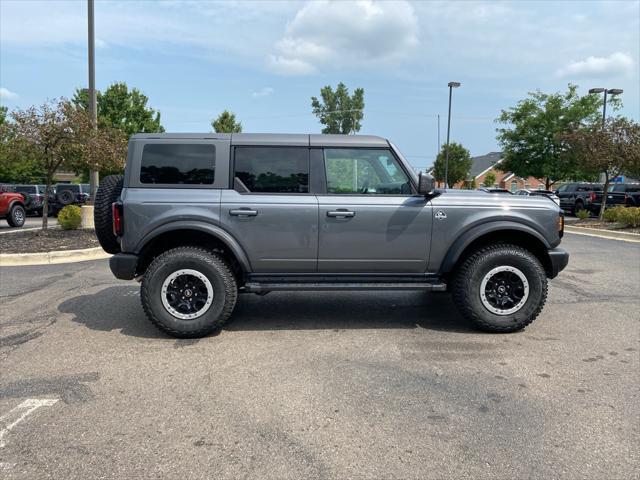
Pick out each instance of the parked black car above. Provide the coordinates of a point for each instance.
(577, 196)
(627, 194)
(34, 197)
(68, 194)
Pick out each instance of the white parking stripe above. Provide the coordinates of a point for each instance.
(19, 413)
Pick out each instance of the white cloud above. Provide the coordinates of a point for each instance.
(6, 94)
(263, 92)
(617, 63)
(342, 34)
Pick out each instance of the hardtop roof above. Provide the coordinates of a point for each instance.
(289, 139)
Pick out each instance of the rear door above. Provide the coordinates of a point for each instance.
(270, 210)
(370, 220)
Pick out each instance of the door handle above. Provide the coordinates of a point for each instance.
(341, 213)
(243, 212)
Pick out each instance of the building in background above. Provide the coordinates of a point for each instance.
(483, 165)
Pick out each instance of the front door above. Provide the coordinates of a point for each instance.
(370, 219)
(270, 210)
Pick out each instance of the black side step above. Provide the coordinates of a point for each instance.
(262, 287)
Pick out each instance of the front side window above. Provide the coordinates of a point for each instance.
(360, 171)
(271, 169)
(178, 164)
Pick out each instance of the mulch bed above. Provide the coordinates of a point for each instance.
(34, 241)
(595, 223)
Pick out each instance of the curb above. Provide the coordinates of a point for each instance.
(28, 229)
(51, 258)
(600, 233)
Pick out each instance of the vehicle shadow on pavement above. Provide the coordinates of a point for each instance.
(118, 308)
(114, 308)
(347, 310)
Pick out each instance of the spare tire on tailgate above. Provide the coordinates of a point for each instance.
(108, 193)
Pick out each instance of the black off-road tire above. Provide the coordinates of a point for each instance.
(65, 197)
(16, 216)
(213, 267)
(468, 279)
(108, 193)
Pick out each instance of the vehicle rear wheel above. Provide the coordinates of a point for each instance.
(108, 193)
(578, 207)
(188, 292)
(17, 216)
(500, 288)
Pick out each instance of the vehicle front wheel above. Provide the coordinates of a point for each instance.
(188, 292)
(16, 216)
(500, 288)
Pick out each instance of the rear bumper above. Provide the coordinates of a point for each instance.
(558, 259)
(123, 265)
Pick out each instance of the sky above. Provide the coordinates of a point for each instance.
(264, 60)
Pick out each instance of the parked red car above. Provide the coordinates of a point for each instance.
(12, 208)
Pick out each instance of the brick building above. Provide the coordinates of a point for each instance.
(490, 163)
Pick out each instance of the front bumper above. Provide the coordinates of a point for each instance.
(558, 260)
(123, 265)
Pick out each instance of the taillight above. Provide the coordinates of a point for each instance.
(592, 196)
(118, 219)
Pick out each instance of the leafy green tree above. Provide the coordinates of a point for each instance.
(459, 163)
(121, 108)
(338, 111)
(15, 168)
(489, 180)
(226, 123)
(58, 134)
(611, 149)
(530, 137)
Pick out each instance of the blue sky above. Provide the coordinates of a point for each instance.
(263, 60)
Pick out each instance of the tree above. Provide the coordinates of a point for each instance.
(611, 149)
(59, 134)
(459, 164)
(339, 111)
(489, 180)
(226, 123)
(121, 108)
(530, 140)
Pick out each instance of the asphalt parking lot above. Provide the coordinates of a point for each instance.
(328, 385)
(30, 222)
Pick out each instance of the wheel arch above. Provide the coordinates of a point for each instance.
(189, 233)
(499, 232)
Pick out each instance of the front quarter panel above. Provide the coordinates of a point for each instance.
(460, 218)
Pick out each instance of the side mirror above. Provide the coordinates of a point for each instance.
(426, 184)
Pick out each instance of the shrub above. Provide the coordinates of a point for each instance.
(612, 214)
(629, 217)
(70, 217)
(582, 214)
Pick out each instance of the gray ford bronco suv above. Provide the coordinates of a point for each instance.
(200, 218)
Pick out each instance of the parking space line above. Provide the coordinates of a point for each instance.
(9, 420)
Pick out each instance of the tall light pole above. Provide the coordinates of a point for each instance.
(610, 91)
(451, 86)
(93, 175)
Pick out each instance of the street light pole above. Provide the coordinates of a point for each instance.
(610, 91)
(451, 86)
(93, 175)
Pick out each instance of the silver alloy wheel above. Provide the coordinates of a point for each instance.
(18, 215)
(187, 294)
(504, 290)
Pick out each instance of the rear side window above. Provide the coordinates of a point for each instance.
(178, 164)
(271, 169)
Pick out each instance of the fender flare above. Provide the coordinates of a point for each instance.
(13, 202)
(464, 240)
(213, 230)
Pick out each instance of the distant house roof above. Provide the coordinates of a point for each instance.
(483, 163)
